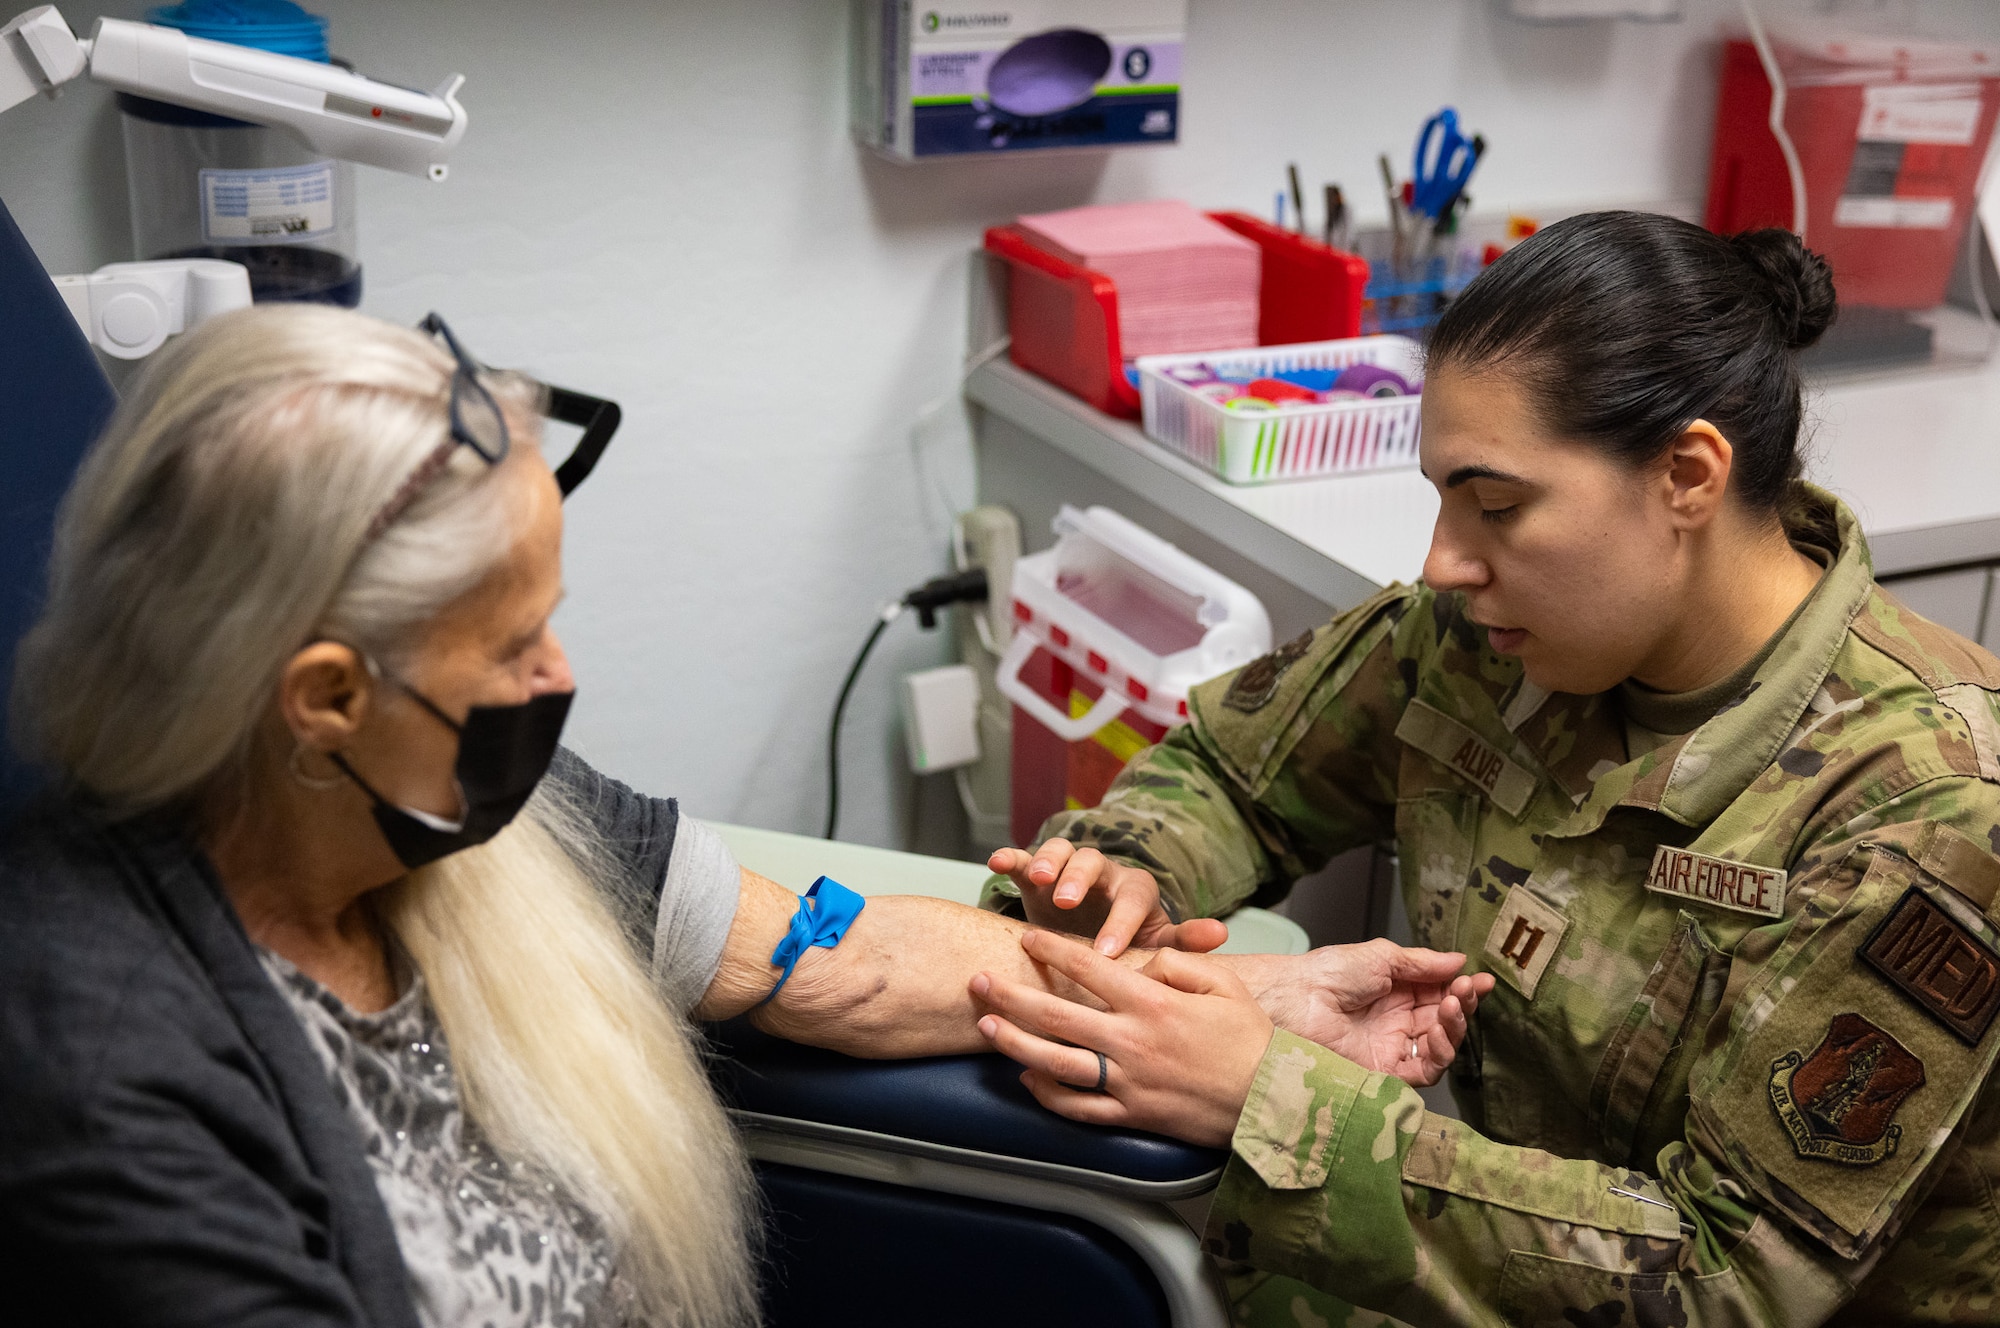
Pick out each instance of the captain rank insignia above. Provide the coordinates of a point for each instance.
(1524, 939)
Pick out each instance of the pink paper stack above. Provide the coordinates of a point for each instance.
(1184, 282)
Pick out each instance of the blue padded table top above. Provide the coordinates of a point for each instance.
(968, 1102)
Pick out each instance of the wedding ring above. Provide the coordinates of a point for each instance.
(1103, 1075)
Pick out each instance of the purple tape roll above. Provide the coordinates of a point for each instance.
(1372, 380)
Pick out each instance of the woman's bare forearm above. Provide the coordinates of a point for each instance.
(896, 986)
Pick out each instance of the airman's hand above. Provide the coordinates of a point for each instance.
(1181, 1039)
(1079, 890)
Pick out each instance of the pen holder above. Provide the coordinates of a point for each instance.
(1063, 319)
(1406, 297)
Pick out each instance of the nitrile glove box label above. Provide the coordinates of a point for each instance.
(954, 80)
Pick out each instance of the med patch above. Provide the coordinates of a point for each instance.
(1938, 962)
(1836, 1091)
(1839, 1103)
(1257, 682)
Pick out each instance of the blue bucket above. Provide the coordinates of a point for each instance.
(268, 25)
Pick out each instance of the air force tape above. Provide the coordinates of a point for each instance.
(1739, 886)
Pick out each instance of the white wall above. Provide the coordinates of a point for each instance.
(658, 202)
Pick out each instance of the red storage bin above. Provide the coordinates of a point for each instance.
(1890, 140)
(1063, 319)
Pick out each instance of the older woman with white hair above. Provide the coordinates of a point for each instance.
(300, 1022)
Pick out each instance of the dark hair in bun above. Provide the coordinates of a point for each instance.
(1626, 327)
(1796, 279)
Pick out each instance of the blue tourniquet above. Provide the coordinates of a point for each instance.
(826, 911)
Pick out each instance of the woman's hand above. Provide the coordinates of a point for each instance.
(1384, 1007)
(1181, 1039)
(1079, 890)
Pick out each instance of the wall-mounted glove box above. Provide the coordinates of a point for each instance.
(957, 79)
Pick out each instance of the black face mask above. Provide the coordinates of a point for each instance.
(503, 752)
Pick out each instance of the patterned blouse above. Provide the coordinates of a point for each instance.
(489, 1244)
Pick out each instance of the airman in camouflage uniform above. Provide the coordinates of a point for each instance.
(1737, 1066)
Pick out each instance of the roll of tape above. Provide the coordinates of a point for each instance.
(1372, 380)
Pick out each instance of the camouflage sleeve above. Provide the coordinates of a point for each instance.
(1284, 763)
(1341, 1179)
(1809, 1175)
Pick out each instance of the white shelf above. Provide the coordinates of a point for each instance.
(1916, 453)
(1336, 539)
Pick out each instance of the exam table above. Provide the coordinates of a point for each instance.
(915, 1192)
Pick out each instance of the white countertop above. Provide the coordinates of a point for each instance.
(1917, 453)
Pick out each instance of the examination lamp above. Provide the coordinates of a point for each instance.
(340, 113)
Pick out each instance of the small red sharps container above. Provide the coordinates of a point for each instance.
(1112, 627)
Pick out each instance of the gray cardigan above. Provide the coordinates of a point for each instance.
(170, 1150)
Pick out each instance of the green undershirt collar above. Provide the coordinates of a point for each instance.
(1654, 718)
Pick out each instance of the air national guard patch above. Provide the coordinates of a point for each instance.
(1740, 886)
(1940, 964)
(1837, 1103)
(1257, 682)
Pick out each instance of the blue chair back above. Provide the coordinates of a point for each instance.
(54, 398)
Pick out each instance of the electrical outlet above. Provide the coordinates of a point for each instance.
(941, 718)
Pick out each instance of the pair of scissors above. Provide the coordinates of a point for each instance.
(1444, 163)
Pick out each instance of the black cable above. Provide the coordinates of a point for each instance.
(833, 734)
(926, 599)
(939, 591)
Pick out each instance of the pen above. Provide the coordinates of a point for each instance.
(1455, 204)
(1395, 209)
(1298, 196)
(1336, 217)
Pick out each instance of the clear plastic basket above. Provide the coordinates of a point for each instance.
(1294, 442)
